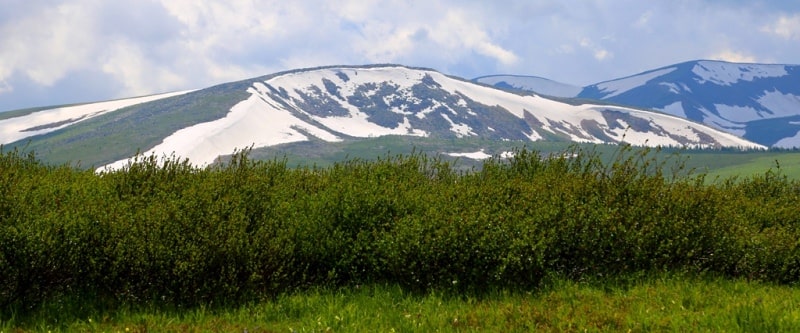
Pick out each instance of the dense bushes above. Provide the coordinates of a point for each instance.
(168, 232)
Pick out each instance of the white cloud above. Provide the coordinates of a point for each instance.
(458, 30)
(150, 46)
(48, 43)
(601, 54)
(448, 35)
(787, 27)
(5, 87)
(127, 63)
(732, 56)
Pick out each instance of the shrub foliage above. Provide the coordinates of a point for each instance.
(161, 230)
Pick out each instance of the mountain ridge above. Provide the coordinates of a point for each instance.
(760, 102)
(334, 103)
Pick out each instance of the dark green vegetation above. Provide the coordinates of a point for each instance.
(174, 236)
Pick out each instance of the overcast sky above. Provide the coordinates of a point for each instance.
(70, 51)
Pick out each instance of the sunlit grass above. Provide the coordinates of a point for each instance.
(787, 163)
(652, 304)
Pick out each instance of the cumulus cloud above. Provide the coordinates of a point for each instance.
(47, 43)
(5, 87)
(733, 56)
(599, 53)
(786, 27)
(63, 51)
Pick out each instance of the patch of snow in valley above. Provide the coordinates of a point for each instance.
(725, 74)
(18, 128)
(478, 155)
(617, 87)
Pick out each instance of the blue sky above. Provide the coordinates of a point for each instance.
(54, 52)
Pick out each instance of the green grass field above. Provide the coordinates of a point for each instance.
(652, 305)
(788, 163)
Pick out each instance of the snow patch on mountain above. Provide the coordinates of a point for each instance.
(535, 84)
(461, 130)
(617, 87)
(726, 125)
(46, 121)
(357, 125)
(673, 88)
(257, 121)
(726, 74)
(789, 142)
(780, 104)
(675, 109)
(738, 114)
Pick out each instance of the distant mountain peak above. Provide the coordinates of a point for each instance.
(760, 102)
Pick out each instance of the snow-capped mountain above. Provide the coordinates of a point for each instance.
(759, 102)
(756, 101)
(535, 84)
(333, 104)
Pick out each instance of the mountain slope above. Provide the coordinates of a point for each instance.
(49, 120)
(760, 102)
(756, 101)
(349, 103)
(535, 84)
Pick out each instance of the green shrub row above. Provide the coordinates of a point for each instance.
(160, 230)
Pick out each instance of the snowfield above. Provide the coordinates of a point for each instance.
(617, 87)
(46, 121)
(723, 73)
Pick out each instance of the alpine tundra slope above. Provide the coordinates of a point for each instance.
(759, 102)
(339, 103)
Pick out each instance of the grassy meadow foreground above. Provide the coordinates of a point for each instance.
(649, 305)
(405, 243)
